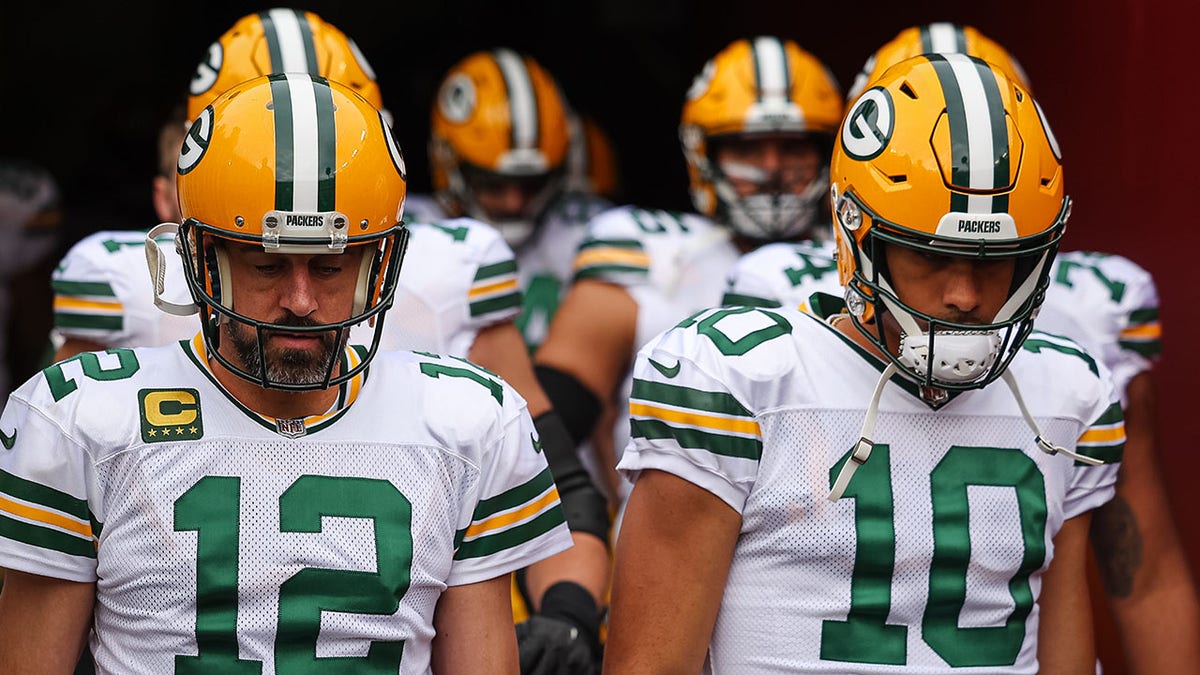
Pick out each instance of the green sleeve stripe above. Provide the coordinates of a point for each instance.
(1109, 454)
(686, 397)
(494, 543)
(718, 444)
(748, 301)
(506, 301)
(93, 321)
(89, 288)
(608, 271)
(496, 270)
(1111, 415)
(44, 537)
(1147, 315)
(1147, 349)
(36, 493)
(517, 496)
(631, 244)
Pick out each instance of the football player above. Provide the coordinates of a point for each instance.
(502, 138)
(250, 500)
(756, 131)
(905, 484)
(1107, 304)
(459, 296)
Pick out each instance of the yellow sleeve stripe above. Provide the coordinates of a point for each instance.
(499, 521)
(1149, 331)
(498, 287)
(1105, 436)
(45, 517)
(66, 303)
(694, 419)
(610, 256)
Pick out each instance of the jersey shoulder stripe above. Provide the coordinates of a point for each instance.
(495, 289)
(694, 418)
(1104, 439)
(41, 516)
(511, 518)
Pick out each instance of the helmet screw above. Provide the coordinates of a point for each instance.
(271, 221)
(363, 223)
(339, 223)
(239, 221)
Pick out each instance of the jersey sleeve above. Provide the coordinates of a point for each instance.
(1140, 339)
(515, 519)
(49, 515)
(1102, 438)
(87, 299)
(748, 283)
(495, 293)
(613, 249)
(688, 421)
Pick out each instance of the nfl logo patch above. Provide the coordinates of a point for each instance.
(292, 428)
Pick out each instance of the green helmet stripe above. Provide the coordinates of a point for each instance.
(281, 106)
(326, 146)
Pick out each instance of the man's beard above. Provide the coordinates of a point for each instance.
(284, 365)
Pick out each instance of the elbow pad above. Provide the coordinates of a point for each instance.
(585, 507)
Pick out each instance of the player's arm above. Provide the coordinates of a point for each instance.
(672, 560)
(74, 345)
(43, 623)
(474, 629)
(1065, 642)
(587, 351)
(579, 575)
(1141, 562)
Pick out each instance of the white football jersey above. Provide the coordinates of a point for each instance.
(934, 558)
(783, 274)
(1109, 305)
(419, 208)
(458, 277)
(102, 293)
(546, 261)
(221, 538)
(672, 264)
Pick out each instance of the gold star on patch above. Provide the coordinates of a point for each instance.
(192, 430)
(178, 431)
(152, 433)
(166, 432)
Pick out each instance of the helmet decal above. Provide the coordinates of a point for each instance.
(207, 70)
(522, 103)
(869, 125)
(979, 145)
(393, 148)
(305, 143)
(289, 41)
(195, 142)
(457, 99)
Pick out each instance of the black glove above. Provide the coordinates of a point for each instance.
(563, 638)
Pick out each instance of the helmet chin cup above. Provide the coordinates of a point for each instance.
(959, 357)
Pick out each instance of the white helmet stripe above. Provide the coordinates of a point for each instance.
(305, 142)
(294, 50)
(770, 65)
(521, 101)
(946, 38)
(979, 131)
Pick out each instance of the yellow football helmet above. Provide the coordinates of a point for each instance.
(761, 86)
(946, 155)
(280, 40)
(499, 116)
(320, 173)
(937, 38)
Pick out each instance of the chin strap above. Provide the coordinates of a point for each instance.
(156, 261)
(862, 449)
(1046, 446)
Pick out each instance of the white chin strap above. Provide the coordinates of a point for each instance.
(1046, 446)
(862, 449)
(157, 263)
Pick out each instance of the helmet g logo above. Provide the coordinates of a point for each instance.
(207, 70)
(457, 98)
(869, 125)
(195, 143)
